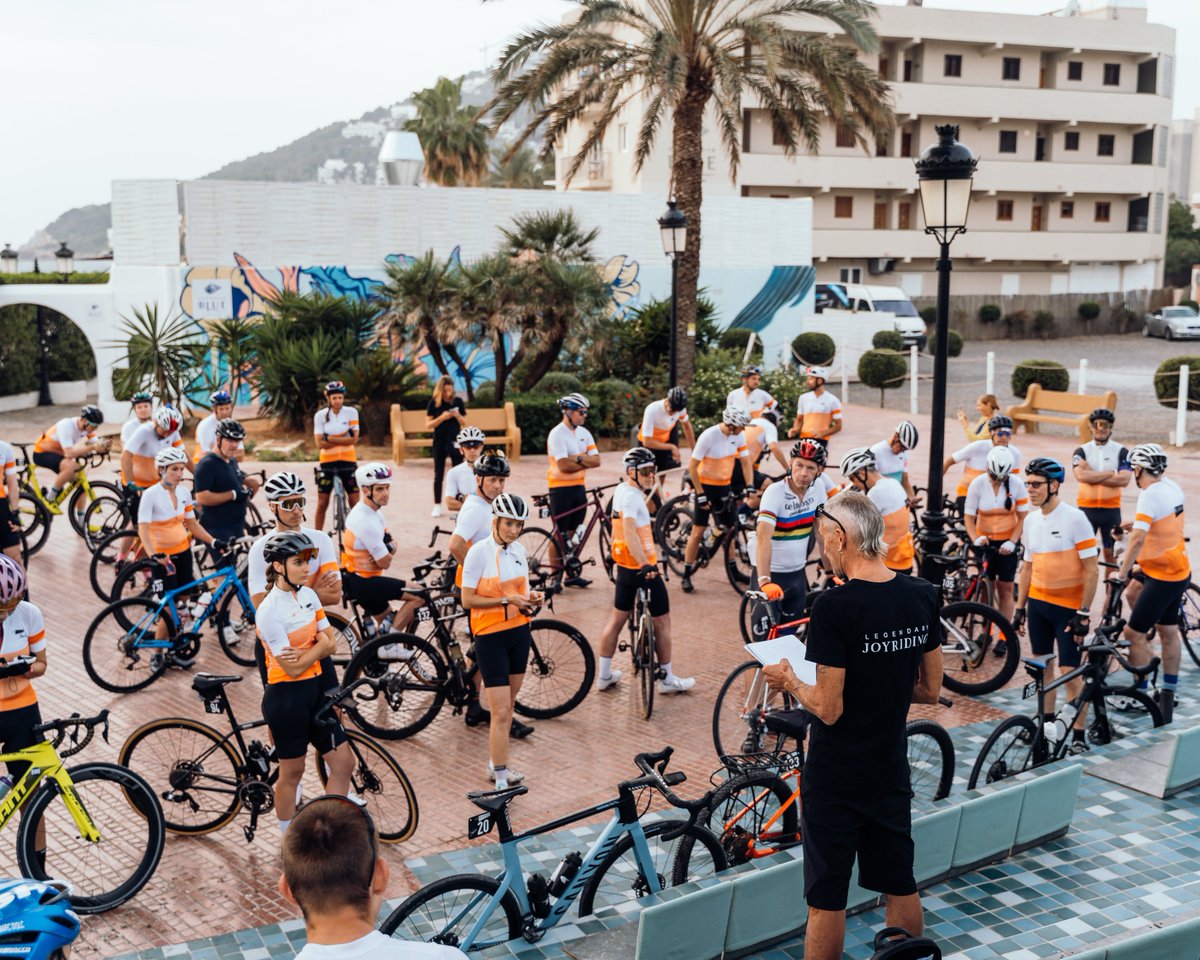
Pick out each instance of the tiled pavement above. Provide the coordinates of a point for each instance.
(218, 884)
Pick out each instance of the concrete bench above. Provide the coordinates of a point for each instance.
(1160, 769)
(499, 425)
(1053, 406)
(1175, 941)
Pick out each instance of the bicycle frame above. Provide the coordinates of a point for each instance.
(229, 581)
(1091, 695)
(44, 762)
(596, 507)
(753, 850)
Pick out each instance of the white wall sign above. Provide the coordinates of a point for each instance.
(212, 300)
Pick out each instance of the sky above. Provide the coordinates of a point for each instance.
(177, 88)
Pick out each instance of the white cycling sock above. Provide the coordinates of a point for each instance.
(667, 674)
(283, 826)
(606, 668)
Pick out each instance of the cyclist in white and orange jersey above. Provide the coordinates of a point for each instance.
(336, 429)
(138, 469)
(750, 397)
(658, 427)
(460, 478)
(1101, 467)
(206, 431)
(859, 469)
(973, 456)
(818, 412)
(891, 456)
(143, 409)
(994, 514)
(10, 500)
(572, 451)
(70, 438)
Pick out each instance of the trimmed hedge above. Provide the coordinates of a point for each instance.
(1166, 387)
(617, 406)
(883, 370)
(537, 415)
(954, 343)
(1044, 325)
(989, 313)
(559, 383)
(1190, 303)
(1050, 374)
(736, 338)
(929, 315)
(1089, 310)
(813, 348)
(887, 340)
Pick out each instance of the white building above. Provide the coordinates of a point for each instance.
(1068, 113)
(1185, 162)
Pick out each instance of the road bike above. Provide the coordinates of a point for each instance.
(36, 509)
(205, 777)
(477, 911)
(642, 646)
(754, 622)
(673, 526)
(555, 558)
(106, 837)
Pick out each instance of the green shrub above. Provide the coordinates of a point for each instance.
(485, 394)
(617, 405)
(1089, 310)
(813, 349)
(50, 275)
(887, 340)
(537, 415)
(736, 338)
(1051, 374)
(882, 370)
(785, 384)
(558, 383)
(70, 353)
(1190, 303)
(1044, 325)
(989, 313)
(1016, 322)
(929, 315)
(18, 350)
(1166, 382)
(954, 343)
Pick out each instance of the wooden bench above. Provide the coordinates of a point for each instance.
(1052, 406)
(499, 425)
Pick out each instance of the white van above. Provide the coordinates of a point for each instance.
(860, 297)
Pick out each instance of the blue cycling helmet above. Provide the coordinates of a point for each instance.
(1046, 467)
(220, 397)
(36, 918)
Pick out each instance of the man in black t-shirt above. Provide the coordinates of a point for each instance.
(220, 489)
(877, 645)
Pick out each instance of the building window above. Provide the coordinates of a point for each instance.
(1074, 69)
(906, 143)
(845, 136)
(1066, 210)
(1112, 74)
(908, 71)
(885, 66)
(1004, 210)
(1105, 144)
(904, 216)
(843, 207)
(778, 134)
(881, 147)
(1008, 141)
(1071, 140)
(952, 65)
(1103, 211)
(1012, 68)
(850, 275)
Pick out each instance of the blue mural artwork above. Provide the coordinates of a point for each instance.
(786, 286)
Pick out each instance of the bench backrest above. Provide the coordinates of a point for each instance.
(1041, 399)
(487, 419)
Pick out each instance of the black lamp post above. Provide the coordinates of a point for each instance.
(65, 258)
(944, 171)
(672, 225)
(8, 259)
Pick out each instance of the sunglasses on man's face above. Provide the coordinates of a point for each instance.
(1001, 433)
(295, 504)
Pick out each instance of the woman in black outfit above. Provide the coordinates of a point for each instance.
(446, 415)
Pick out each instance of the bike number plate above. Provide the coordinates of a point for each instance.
(480, 825)
(1030, 690)
(423, 615)
(543, 512)
(212, 706)
(949, 583)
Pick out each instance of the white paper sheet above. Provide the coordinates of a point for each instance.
(790, 648)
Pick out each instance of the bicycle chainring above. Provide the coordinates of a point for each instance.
(736, 843)
(256, 795)
(186, 646)
(573, 566)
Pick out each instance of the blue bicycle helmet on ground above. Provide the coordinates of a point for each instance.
(36, 919)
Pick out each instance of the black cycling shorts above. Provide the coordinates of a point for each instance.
(16, 733)
(665, 460)
(374, 593)
(344, 468)
(1003, 568)
(503, 654)
(568, 507)
(51, 461)
(838, 825)
(628, 582)
(717, 504)
(795, 588)
(289, 709)
(1103, 519)
(1158, 603)
(1047, 627)
(8, 536)
(184, 571)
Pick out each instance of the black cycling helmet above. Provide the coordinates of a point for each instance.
(492, 465)
(280, 546)
(677, 398)
(1000, 422)
(1046, 467)
(92, 414)
(1102, 413)
(230, 429)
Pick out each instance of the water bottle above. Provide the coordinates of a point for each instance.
(576, 537)
(5, 785)
(1062, 723)
(201, 603)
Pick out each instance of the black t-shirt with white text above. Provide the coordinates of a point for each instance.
(877, 633)
(445, 432)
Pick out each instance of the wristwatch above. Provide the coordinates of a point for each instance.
(579, 458)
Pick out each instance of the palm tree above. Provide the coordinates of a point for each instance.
(163, 354)
(492, 300)
(455, 144)
(690, 59)
(520, 171)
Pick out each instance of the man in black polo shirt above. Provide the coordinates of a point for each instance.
(219, 488)
(876, 641)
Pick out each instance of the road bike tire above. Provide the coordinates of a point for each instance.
(672, 528)
(105, 874)
(81, 502)
(544, 572)
(1189, 622)
(254, 517)
(1007, 751)
(425, 917)
(135, 578)
(1117, 723)
(736, 717)
(108, 653)
(739, 565)
(644, 651)
(107, 562)
(560, 671)
(235, 626)
(192, 769)
(619, 874)
(979, 670)
(381, 783)
(738, 813)
(984, 592)
(348, 640)
(745, 616)
(930, 759)
(606, 557)
(102, 517)
(413, 691)
(34, 520)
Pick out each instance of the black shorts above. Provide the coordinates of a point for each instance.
(838, 825)
(628, 582)
(1103, 519)
(16, 733)
(51, 461)
(568, 507)
(289, 709)
(1003, 568)
(503, 654)
(184, 570)
(665, 460)
(8, 536)
(1158, 603)
(374, 593)
(1047, 627)
(795, 589)
(717, 504)
(343, 468)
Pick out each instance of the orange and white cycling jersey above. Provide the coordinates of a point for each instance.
(630, 503)
(717, 453)
(324, 562)
(1100, 456)
(143, 446)
(493, 570)
(1160, 514)
(8, 465)
(474, 524)
(754, 402)
(891, 501)
(285, 620)
(65, 433)
(658, 424)
(973, 457)
(563, 443)
(24, 633)
(761, 436)
(818, 412)
(167, 518)
(328, 423)
(1056, 544)
(363, 543)
(986, 504)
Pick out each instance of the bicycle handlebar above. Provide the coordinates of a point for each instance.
(654, 766)
(1105, 635)
(334, 697)
(72, 723)
(438, 532)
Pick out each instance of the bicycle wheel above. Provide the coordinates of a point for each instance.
(643, 652)
(81, 501)
(446, 910)
(544, 570)
(1189, 621)
(1006, 752)
(34, 520)
(738, 713)
(561, 671)
(194, 771)
(1126, 713)
(412, 692)
(348, 642)
(102, 517)
(745, 617)
(606, 556)
(381, 783)
(234, 624)
(136, 579)
(121, 658)
(620, 878)
(930, 759)
(740, 815)
(672, 527)
(970, 632)
(109, 559)
(739, 565)
(104, 874)
(254, 517)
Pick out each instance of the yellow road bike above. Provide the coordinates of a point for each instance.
(37, 508)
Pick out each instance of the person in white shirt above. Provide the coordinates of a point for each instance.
(1101, 468)
(336, 430)
(891, 456)
(61, 446)
(138, 470)
(994, 514)
(10, 500)
(658, 427)
(973, 456)
(460, 478)
(143, 410)
(858, 467)
(750, 397)
(818, 412)
(571, 451)
(333, 872)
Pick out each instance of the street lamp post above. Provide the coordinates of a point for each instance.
(672, 226)
(8, 259)
(944, 172)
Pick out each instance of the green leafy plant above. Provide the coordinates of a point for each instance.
(1050, 374)
(882, 370)
(162, 354)
(737, 338)
(813, 349)
(18, 350)
(617, 406)
(989, 313)
(1089, 310)
(1190, 303)
(235, 339)
(954, 343)
(1045, 327)
(374, 381)
(1166, 382)
(455, 144)
(559, 382)
(537, 414)
(1016, 323)
(887, 340)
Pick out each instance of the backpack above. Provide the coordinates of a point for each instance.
(904, 946)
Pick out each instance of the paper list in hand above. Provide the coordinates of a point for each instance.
(789, 648)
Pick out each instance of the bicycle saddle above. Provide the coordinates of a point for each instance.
(207, 682)
(790, 723)
(495, 800)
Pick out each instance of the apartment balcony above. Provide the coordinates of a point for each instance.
(992, 245)
(595, 173)
(961, 103)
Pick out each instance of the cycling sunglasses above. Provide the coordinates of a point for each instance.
(822, 512)
(1001, 433)
(338, 798)
(8, 606)
(293, 503)
(471, 445)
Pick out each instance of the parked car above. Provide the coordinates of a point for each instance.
(856, 296)
(1174, 323)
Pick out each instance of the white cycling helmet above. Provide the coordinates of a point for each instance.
(470, 435)
(169, 455)
(1150, 457)
(906, 433)
(821, 372)
(370, 474)
(168, 419)
(999, 462)
(285, 484)
(736, 417)
(510, 506)
(573, 401)
(860, 458)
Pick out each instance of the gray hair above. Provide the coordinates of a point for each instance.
(863, 522)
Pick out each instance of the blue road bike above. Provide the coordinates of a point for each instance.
(477, 911)
(133, 641)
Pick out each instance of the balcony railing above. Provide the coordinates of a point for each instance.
(595, 173)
